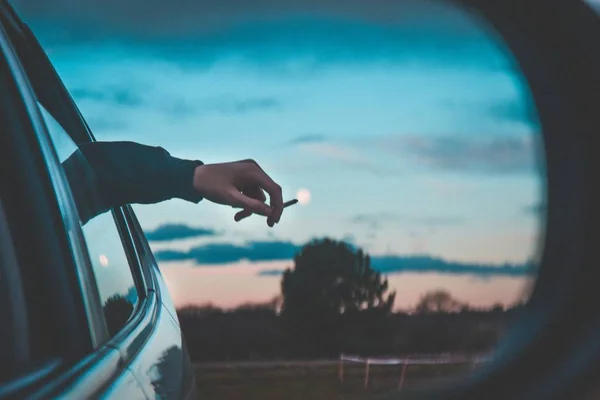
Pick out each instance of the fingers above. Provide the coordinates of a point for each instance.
(249, 204)
(254, 192)
(274, 191)
(241, 215)
(257, 176)
(245, 213)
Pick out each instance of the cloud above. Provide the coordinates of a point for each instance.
(170, 232)
(271, 272)
(308, 139)
(511, 110)
(395, 264)
(282, 250)
(537, 209)
(268, 32)
(334, 151)
(346, 156)
(118, 95)
(102, 123)
(126, 94)
(422, 264)
(224, 253)
(514, 111)
(377, 219)
(240, 106)
(156, 18)
(480, 154)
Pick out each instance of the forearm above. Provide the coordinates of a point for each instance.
(104, 175)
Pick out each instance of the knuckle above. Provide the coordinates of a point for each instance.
(249, 163)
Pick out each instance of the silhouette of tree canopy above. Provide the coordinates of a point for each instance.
(117, 310)
(330, 278)
(260, 333)
(166, 376)
(332, 298)
(332, 301)
(438, 301)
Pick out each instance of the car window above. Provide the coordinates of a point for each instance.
(114, 277)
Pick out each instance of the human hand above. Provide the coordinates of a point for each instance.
(240, 184)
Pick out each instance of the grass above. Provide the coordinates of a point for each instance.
(318, 380)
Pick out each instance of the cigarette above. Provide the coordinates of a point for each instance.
(290, 203)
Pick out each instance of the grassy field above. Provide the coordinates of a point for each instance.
(318, 380)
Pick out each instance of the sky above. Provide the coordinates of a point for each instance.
(405, 128)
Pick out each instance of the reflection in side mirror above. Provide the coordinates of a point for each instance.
(408, 136)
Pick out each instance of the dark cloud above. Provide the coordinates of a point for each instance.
(535, 209)
(101, 122)
(271, 272)
(464, 153)
(224, 253)
(158, 18)
(514, 110)
(130, 96)
(308, 139)
(239, 106)
(170, 232)
(376, 220)
(394, 265)
(269, 32)
(117, 95)
(169, 106)
(397, 265)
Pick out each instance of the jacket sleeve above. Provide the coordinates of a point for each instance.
(104, 175)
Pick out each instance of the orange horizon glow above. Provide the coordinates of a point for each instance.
(238, 284)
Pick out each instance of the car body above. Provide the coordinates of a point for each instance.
(59, 335)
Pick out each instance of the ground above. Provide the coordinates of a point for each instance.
(317, 380)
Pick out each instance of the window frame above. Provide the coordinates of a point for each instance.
(35, 215)
(102, 354)
(122, 227)
(49, 90)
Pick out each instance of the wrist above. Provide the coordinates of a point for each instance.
(189, 192)
(198, 177)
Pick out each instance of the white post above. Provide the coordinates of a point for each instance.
(473, 365)
(367, 374)
(401, 383)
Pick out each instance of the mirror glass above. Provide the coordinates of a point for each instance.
(407, 132)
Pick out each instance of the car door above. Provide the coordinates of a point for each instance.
(131, 345)
(66, 351)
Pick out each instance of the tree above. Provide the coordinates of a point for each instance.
(330, 278)
(438, 301)
(329, 289)
(117, 310)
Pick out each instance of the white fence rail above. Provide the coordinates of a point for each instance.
(406, 361)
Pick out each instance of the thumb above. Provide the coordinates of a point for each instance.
(248, 203)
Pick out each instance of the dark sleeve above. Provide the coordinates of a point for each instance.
(103, 175)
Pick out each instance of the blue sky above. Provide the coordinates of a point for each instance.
(411, 127)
